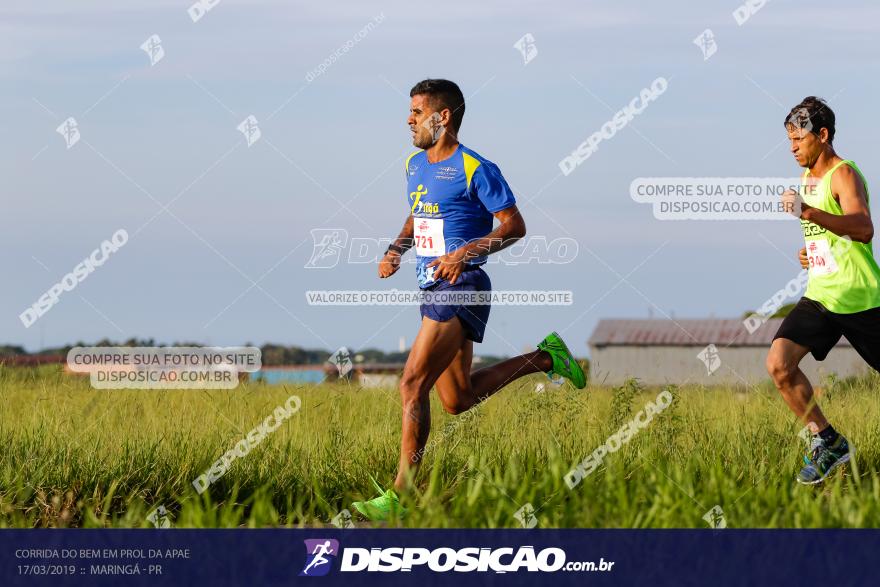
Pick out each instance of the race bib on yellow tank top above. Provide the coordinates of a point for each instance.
(821, 257)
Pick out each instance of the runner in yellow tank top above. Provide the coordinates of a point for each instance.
(843, 291)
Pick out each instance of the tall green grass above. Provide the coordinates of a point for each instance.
(73, 456)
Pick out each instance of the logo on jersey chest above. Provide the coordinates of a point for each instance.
(416, 196)
(811, 229)
(447, 173)
(422, 207)
(427, 208)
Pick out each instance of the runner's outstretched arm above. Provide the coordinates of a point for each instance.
(512, 227)
(390, 263)
(856, 219)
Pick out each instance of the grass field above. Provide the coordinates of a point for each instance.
(72, 456)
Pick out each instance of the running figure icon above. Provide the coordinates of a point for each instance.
(319, 556)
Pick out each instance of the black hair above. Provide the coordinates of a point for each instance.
(812, 114)
(443, 94)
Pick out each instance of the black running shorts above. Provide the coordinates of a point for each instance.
(811, 325)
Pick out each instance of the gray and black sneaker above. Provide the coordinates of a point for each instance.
(823, 459)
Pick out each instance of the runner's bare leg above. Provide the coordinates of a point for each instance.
(442, 354)
(460, 389)
(783, 362)
(433, 349)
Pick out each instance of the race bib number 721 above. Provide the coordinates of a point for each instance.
(429, 237)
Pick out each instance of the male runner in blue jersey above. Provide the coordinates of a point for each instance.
(453, 196)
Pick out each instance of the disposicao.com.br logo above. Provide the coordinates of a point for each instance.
(320, 553)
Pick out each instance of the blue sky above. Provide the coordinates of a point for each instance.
(244, 214)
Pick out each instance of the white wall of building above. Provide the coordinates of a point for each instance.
(659, 365)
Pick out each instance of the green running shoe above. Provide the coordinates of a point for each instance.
(380, 508)
(823, 459)
(564, 363)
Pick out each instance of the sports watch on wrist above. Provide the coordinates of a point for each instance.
(395, 248)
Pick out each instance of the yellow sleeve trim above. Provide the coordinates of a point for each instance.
(406, 165)
(470, 166)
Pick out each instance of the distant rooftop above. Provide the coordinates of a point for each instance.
(684, 332)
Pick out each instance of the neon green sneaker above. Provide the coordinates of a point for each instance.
(380, 508)
(564, 363)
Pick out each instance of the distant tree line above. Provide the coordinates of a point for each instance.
(273, 354)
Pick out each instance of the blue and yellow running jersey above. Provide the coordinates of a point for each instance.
(452, 203)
